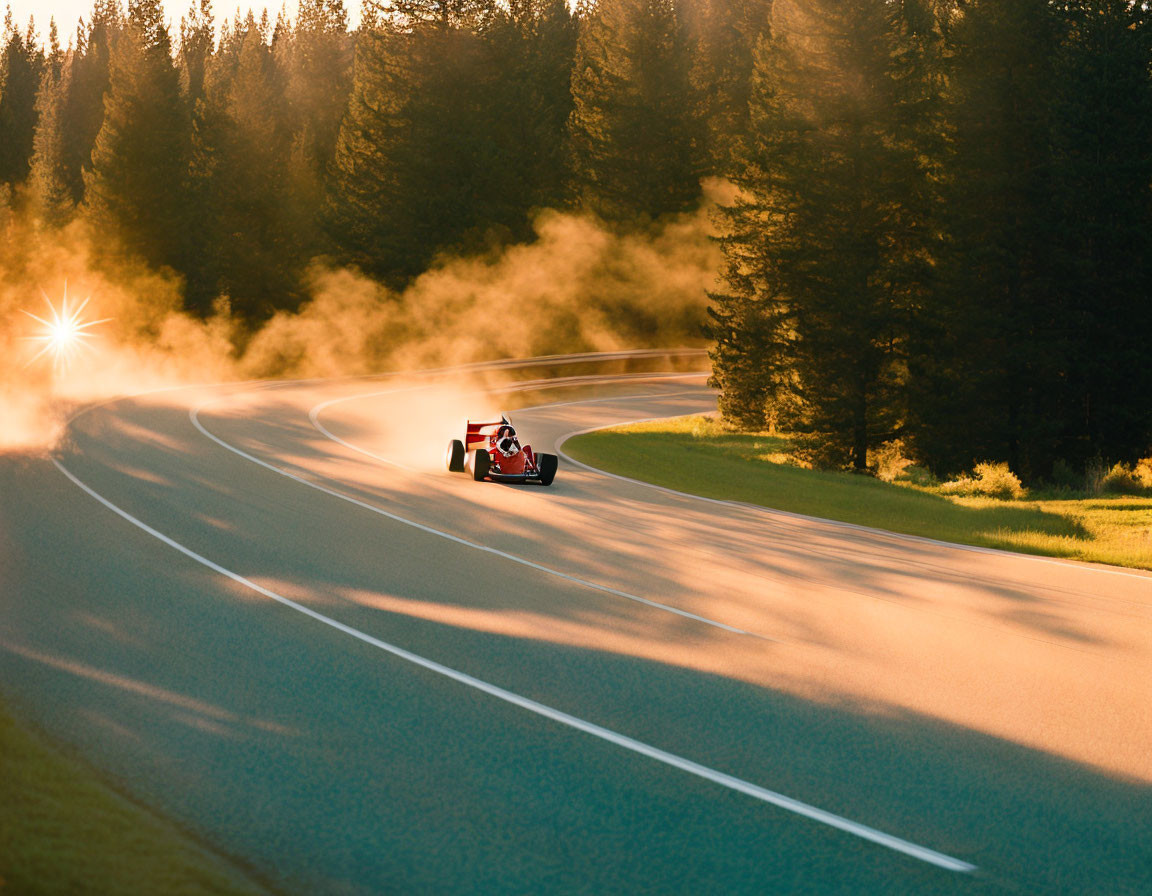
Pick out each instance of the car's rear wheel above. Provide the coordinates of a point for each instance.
(478, 464)
(454, 456)
(547, 464)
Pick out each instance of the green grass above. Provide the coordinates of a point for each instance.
(697, 455)
(63, 831)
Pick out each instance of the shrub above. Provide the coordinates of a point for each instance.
(819, 451)
(987, 479)
(1125, 480)
(888, 461)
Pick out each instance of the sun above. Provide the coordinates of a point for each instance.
(64, 333)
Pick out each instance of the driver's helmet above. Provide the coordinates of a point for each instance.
(506, 441)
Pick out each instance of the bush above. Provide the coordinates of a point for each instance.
(890, 464)
(1123, 479)
(989, 480)
(888, 461)
(820, 451)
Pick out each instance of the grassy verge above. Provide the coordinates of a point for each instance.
(695, 454)
(63, 831)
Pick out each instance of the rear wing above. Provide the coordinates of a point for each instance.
(479, 434)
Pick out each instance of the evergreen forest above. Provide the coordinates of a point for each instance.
(940, 211)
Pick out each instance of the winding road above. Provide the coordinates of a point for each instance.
(266, 610)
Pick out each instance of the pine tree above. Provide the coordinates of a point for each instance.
(637, 139)
(828, 250)
(255, 255)
(529, 99)
(314, 59)
(90, 77)
(357, 203)
(723, 35)
(988, 378)
(195, 61)
(55, 58)
(53, 184)
(135, 187)
(412, 168)
(1102, 142)
(751, 325)
(196, 45)
(439, 15)
(245, 248)
(20, 68)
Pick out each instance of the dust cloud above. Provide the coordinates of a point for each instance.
(578, 287)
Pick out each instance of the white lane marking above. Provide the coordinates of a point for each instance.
(856, 829)
(335, 438)
(523, 561)
(1083, 566)
(314, 413)
(526, 386)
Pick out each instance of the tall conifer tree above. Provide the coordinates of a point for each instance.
(21, 64)
(985, 386)
(71, 113)
(254, 254)
(723, 35)
(90, 80)
(53, 189)
(314, 59)
(196, 45)
(139, 162)
(637, 137)
(1103, 147)
(529, 98)
(412, 173)
(828, 248)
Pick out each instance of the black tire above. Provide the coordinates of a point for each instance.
(454, 456)
(478, 464)
(547, 464)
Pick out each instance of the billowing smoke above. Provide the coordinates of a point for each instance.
(146, 343)
(578, 287)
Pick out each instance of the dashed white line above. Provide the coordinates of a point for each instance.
(194, 415)
(797, 807)
(314, 413)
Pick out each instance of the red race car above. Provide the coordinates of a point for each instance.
(492, 451)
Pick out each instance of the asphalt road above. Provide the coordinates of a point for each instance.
(267, 611)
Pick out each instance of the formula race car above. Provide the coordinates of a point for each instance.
(492, 451)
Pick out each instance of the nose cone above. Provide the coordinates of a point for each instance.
(514, 464)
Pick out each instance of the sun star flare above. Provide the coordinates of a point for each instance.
(64, 333)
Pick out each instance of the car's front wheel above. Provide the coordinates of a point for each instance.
(478, 464)
(547, 464)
